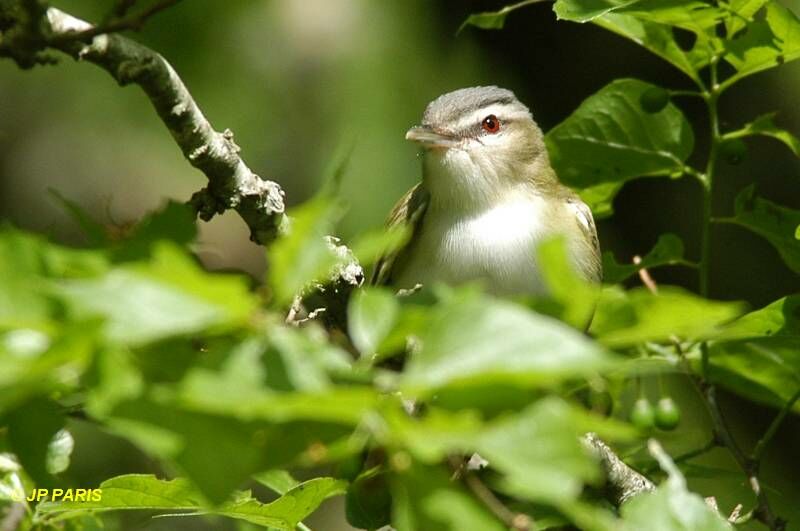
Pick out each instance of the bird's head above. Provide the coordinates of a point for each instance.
(478, 142)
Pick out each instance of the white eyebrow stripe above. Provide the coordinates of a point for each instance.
(502, 111)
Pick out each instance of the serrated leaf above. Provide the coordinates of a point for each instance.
(773, 222)
(624, 318)
(370, 317)
(474, 339)
(668, 250)
(611, 139)
(168, 296)
(766, 43)
(138, 492)
(764, 125)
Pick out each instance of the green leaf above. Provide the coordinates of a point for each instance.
(765, 126)
(371, 315)
(766, 370)
(95, 232)
(168, 296)
(460, 347)
(610, 139)
(744, 11)
(587, 10)
(368, 504)
(277, 480)
(692, 15)
(778, 319)
(136, 491)
(766, 43)
(302, 255)
(756, 356)
(671, 507)
(425, 498)
(575, 297)
(668, 250)
(179, 433)
(537, 451)
(777, 224)
(493, 19)
(175, 222)
(624, 318)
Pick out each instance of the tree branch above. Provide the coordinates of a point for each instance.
(232, 184)
(622, 482)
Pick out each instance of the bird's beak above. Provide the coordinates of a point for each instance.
(429, 138)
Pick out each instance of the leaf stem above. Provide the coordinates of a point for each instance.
(773, 427)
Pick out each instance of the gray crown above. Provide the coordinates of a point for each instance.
(449, 107)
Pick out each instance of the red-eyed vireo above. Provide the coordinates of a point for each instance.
(488, 197)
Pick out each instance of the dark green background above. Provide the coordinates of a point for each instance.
(298, 81)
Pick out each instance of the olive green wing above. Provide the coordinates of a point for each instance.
(409, 210)
(593, 266)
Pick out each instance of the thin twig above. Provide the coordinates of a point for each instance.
(515, 521)
(115, 24)
(645, 277)
(773, 427)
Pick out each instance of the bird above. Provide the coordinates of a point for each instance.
(488, 197)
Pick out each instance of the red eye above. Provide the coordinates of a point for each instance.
(491, 124)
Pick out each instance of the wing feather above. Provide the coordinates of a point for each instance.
(409, 210)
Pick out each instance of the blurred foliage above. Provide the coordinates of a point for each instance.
(198, 373)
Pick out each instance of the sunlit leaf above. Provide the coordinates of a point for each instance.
(587, 10)
(143, 492)
(668, 250)
(766, 43)
(575, 297)
(765, 126)
(671, 507)
(302, 255)
(493, 19)
(625, 318)
(778, 319)
(611, 139)
(167, 296)
(371, 316)
(476, 339)
(766, 370)
(777, 224)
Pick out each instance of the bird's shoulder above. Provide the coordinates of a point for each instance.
(409, 210)
(585, 221)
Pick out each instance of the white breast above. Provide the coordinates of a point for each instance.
(497, 246)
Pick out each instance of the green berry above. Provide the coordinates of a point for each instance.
(668, 415)
(643, 416)
(733, 151)
(654, 99)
